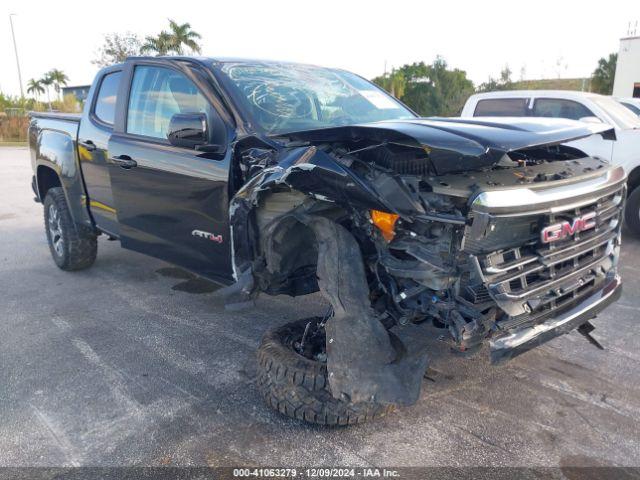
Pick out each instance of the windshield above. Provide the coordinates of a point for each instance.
(620, 114)
(634, 108)
(286, 98)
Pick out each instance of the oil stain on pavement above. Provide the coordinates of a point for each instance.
(192, 283)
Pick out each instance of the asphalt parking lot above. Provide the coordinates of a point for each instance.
(133, 363)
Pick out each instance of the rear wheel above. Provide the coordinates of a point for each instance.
(292, 377)
(72, 246)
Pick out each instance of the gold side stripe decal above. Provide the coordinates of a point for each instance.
(96, 204)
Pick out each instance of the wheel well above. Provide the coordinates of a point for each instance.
(291, 255)
(634, 180)
(47, 178)
(288, 246)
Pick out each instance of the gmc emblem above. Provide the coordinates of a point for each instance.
(559, 231)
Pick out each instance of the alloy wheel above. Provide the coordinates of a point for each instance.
(55, 230)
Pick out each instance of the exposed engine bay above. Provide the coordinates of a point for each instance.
(484, 240)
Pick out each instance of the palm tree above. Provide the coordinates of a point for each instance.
(163, 44)
(395, 83)
(173, 41)
(35, 87)
(59, 79)
(47, 81)
(184, 36)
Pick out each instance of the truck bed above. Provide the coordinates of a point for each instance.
(69, 117)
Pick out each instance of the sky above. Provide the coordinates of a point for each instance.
(544, 39)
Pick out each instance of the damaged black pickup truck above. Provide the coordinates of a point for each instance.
(288, 179)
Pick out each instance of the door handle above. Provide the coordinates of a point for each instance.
(125, 161)
(89, 145)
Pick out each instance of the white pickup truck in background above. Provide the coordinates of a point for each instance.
(632, 104)
(582, 106)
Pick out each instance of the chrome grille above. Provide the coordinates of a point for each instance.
(533, 280)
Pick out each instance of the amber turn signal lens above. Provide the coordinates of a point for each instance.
(385, 222)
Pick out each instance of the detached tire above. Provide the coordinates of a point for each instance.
(72, 246)
(297, 386)
(632, 212)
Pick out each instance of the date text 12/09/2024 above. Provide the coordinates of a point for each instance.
(316, 473)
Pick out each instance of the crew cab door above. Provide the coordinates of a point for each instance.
(171, 202)
(96, 128)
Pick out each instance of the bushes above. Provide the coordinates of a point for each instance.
(13, 129)
(68, 104)
(14, 120)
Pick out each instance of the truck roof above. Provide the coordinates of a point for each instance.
(537, 93)
(208, 60)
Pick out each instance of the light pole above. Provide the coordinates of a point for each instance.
(15, 48)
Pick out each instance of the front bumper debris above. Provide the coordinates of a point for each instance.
(513, 344)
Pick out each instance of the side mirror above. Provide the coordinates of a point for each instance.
(590, 119)
(188, 130)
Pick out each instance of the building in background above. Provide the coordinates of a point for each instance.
(80, 92)
(627, 81)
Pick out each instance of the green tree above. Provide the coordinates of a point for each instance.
(603, 76)
(503, 82)
(184, 36)
(116, 48)
(162, 44)
(429, 90)
(393, 82)
(58, 78)
(35, 87)
(174, 41)
(47, 81)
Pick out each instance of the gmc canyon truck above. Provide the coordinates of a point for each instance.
(284, 178)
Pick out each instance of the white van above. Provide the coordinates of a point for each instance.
(582, 106)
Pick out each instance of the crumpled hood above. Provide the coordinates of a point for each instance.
(459, 144)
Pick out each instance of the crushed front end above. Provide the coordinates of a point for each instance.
(516, 284)
(510, 256)
(508, 239)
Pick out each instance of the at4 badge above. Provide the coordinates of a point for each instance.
(207, 235)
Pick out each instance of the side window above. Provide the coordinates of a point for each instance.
(156, 95)
(559, 108)
(501, 107)
(105, 107)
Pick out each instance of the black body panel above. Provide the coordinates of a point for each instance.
(52, 138)
(459, 145)
(170, 194)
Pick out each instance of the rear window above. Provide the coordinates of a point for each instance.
(501, 107)
(560, 108)
(105, 108)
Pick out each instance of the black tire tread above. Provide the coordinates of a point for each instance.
(81, 244)
(632, 212)
(298, 388)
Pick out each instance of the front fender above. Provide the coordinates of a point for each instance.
(304, 169)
